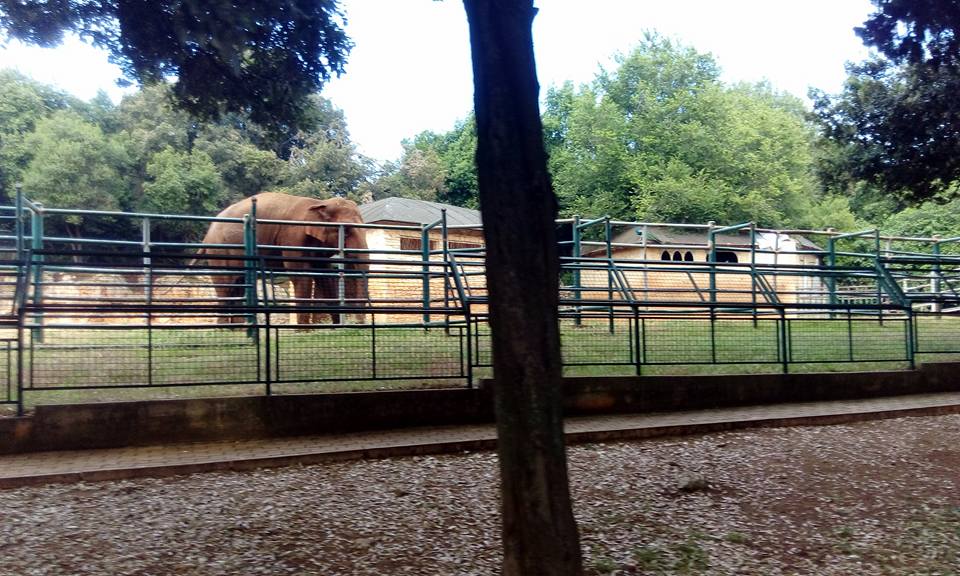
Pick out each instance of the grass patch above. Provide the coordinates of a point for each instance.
(183, 362)
(736, 538)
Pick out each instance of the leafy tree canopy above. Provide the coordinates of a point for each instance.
(897, 121)
(927, 219)
(261, 58)
(915, 31)
(437, 167)
(74, 164)
(146, 155)
(657, 137)
(898, 126)
(661, 138)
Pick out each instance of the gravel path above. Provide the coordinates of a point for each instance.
(871, 498)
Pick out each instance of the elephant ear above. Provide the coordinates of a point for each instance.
(319, 213)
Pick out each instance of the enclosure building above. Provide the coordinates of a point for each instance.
(665, 263)
(397, 246)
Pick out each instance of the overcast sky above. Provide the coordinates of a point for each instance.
(410, 68)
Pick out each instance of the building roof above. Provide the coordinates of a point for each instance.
(412, 211)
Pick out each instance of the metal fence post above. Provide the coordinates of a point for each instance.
(341, 266)
(850, 334)
(643, 340)
(576, 269)
(646, 265)
(36, 242)
(877, 264)
(425, 271)
(638, 359)
(753, 270)
(469, 336)
(148, 292)
(831, 264)
(444, 239)
(373, 346)
(936, 275)
(250, 271)
(20, 368)
(712, 258)
(608, 232)
(909, 335)
(782, 340)
(268, 366)
(147, 260)
(18, 222)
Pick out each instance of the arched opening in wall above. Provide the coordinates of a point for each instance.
(727, 256)
(665, 255)
(688, 257)
(677, 257)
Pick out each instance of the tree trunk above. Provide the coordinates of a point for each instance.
(519, 208)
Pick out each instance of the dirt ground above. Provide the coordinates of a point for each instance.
(872, 498)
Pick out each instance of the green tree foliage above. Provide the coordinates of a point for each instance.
(23, 103)
(834, 211)
(148, 122)
(915, 31)
(419, 174)
(181, 183)
(324, 161)
(320, 162)
(74, 164)
(145, 154)
(244, 168)
(926, 219)
(898, 128)
(437, 167)
(219, 54)
(897, 120)
(456, 150)
(661, 138)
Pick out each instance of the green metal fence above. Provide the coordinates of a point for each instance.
(84, 316)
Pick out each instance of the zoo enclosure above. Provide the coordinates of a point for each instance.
(85, 313)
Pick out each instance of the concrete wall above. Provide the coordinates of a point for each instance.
(171, 421)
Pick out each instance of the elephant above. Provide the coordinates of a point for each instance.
(278, 206)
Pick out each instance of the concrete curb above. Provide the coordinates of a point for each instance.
(479, 444)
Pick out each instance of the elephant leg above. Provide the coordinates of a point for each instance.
(326, 292)
(356, 293)
(303, 292)
(227, 293)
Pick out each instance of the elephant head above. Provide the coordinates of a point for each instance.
(335, 210)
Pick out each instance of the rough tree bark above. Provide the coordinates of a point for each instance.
(519, 208)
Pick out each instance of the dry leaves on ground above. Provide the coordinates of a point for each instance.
(872, 498)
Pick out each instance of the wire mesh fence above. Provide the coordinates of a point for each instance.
(411, 308)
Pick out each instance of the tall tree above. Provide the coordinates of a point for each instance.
(23, 102)
(897, 126)
(181, 183)
(898, 118)
(519, 208)
(74, 164)
(659, 137)
(436, 166)
(419, 174)
(264, 58)
(915, 31)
